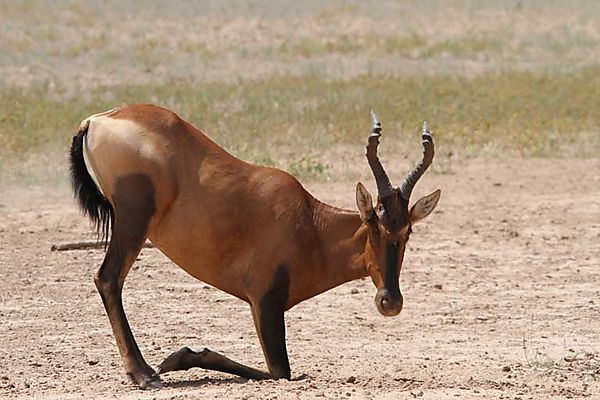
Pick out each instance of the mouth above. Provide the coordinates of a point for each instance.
(386, 312)
(388, 308)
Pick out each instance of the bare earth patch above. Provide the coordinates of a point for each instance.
(500, 285)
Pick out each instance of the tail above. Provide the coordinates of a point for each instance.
(91, 201)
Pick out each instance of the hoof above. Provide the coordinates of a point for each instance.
(147, 382)
(152, 383)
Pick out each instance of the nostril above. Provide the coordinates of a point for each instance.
(385, 304)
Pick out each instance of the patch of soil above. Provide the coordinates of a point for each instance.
(500, 284)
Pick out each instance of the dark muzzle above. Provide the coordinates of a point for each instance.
(388, 305)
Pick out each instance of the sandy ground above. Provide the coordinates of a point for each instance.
(500, 284)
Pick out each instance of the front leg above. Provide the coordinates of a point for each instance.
(268, 314)
(271, 331)
(270, 327)
(185, 358)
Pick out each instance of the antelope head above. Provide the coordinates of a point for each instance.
(389, 223)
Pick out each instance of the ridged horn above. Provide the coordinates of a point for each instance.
(384, 187)
(428, 152)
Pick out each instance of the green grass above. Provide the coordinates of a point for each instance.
(291, 121)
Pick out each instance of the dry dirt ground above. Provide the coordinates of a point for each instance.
(501, 291)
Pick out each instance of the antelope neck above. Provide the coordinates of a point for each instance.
(343, 238)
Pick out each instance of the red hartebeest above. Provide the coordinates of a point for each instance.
(142, 172)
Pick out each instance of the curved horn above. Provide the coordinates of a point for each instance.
(384, 187)
(421, 167)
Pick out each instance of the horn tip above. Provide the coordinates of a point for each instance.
(375, 119)
(376, 130)
(426, 130)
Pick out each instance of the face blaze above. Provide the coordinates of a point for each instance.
(391, 227)
(389, 224)
(389, 299)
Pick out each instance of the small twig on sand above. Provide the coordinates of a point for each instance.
(87, 244)
(402, 379)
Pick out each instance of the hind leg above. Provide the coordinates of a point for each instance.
(134, 207)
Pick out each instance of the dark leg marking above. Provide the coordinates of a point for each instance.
(134, 206)
(271, 324)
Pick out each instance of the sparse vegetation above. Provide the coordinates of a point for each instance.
(518, 113)
(464, 48)
(275, 86)
(307, 168)
(555, 359)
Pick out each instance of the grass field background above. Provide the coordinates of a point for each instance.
(290, 84)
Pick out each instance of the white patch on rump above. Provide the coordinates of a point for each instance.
(85, 124)
(88, 166)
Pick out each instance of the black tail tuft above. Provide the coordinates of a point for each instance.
(91, 201)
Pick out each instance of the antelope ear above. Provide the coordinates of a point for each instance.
(364, 202)
(424, 206)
